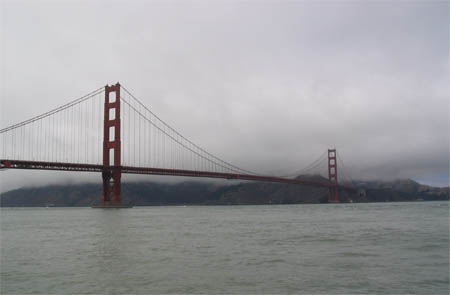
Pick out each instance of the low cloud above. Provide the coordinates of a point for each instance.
(267, 86)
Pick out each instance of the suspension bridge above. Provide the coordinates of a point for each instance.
(112, 132)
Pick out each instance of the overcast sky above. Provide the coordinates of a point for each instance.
(267, 85)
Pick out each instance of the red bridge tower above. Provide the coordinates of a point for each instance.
(333, 196)
(111, 174)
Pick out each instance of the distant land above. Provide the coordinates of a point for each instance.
(201, 193)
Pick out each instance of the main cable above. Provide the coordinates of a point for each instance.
(174, 139)
(53, 111)
(176, 132)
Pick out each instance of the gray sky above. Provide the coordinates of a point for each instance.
(267, 85)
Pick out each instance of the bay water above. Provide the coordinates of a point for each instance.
(378, 248)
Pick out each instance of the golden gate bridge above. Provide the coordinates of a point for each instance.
(111, 131)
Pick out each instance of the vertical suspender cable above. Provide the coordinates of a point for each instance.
(139, 134)
(100, 133)
(145, 142)
(129, 136)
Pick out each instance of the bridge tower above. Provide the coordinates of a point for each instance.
(111, 174)
(333, 196)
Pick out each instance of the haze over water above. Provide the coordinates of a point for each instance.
(384, 248)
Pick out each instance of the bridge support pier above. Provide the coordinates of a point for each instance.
(111, 189)
(333, 196)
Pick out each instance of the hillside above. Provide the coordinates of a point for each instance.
(151, 194)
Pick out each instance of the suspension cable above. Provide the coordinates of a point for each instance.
(53, 111)
(176, 132)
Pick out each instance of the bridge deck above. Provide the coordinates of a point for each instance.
(38, 165)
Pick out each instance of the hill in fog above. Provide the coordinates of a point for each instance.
(200, 193)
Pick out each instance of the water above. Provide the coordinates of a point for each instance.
(388, 248)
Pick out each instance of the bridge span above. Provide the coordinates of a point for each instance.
(113, 133)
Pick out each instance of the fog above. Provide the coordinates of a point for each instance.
(268, 86)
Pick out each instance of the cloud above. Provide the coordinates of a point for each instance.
(266, 85)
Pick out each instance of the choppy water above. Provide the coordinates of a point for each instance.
(388, 248)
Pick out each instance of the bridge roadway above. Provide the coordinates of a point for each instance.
(38, 165)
